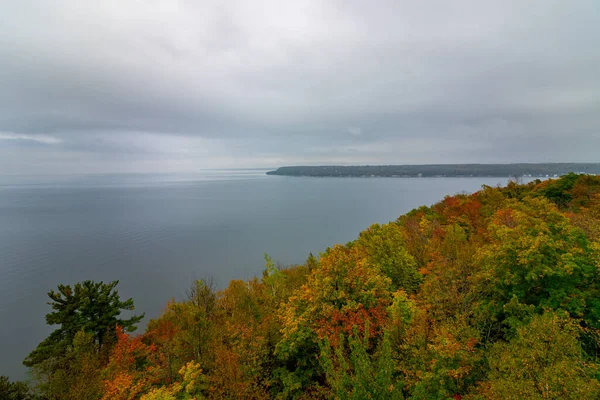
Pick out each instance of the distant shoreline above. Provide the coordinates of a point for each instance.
(534, 170)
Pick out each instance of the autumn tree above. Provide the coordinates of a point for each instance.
(249, 331)
(193, 386)
(134, 368)
(441, 358)
(185, 330)
(344, 292)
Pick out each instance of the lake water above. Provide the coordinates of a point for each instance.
(157, 233)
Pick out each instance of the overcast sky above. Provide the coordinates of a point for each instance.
(166, 85)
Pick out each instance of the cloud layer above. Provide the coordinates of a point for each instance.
(169, 85)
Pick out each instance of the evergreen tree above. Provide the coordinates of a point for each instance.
(87, 306)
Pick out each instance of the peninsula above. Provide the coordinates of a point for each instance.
(441, 170)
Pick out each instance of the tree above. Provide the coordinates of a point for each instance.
(538, 258)
(74, 376)
(248, 330)
(344, 292)
(133, 368)
(87, 306)
(543, 361)
(192, 387)
(443, 357)
(14, 390)
(311, 262)
(355, 374)
(559, 190)
(383, 246)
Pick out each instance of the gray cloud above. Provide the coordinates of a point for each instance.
(164, 84)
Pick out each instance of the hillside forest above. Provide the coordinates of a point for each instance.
(492, 295)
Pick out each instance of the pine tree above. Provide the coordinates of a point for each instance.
(87, 306)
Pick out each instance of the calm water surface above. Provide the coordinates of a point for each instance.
(156, 233)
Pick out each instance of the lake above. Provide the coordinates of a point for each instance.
(157, 233)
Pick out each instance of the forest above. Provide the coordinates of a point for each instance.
(492, 295)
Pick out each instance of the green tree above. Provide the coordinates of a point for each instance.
(543, 361)
(384, 248)
(559, 190)
(311, 262)
(75, 375)
(15, 390)
(87, 306)
(538, 258)
(355, 374)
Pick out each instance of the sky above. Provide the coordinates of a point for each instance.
(176, 86)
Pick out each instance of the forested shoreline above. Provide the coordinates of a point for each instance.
(491, 295)
(536, 170)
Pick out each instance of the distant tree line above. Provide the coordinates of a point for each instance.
(442, 170)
